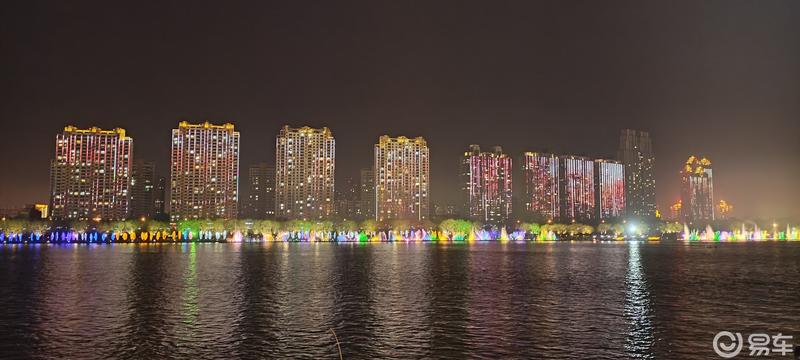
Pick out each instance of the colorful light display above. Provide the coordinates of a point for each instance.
(541, 175)
(90, 175)
(198, 232)
(697, 190)
(577, 188)
(610, 189)
(746, 233)
(487, 185)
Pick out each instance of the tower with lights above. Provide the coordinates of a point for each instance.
(402, 178)
(305, 160)
(90, 174)
(204, 171)
(486, 184)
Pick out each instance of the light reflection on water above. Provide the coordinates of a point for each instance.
(399, 300)
(639, 340)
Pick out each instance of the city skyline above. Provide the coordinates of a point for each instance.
(205, 176)
(555, 187)
(243, 196)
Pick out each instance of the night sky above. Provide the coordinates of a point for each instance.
(715, 78)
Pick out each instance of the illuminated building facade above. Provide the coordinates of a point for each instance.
(43, 210)
(576, 176)
(402, 178)
(486, 184)
(445, 211)
(142, 189)
(697, 190)
(29, 211)
(304, 173)
(90, 175)
(367, 200)
(675, 211)
(609, 180)
(261, 198)
(348, 195)
(160, 198)
(204, 172)
(541, 175)
(636, 153)
(723, 210)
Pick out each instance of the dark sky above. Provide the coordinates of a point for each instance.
(716, 78)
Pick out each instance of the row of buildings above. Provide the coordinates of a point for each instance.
(562, 187)
(555, 187)
(94, 176)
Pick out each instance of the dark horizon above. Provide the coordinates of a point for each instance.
(719, 79)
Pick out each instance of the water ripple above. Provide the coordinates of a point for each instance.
(482, 301)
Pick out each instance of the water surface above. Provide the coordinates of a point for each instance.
(486, 300)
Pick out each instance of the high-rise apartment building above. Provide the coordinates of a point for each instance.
(402, 178)
(160, 198)
(486, 184)
(697, 190)
(348, 199)
(723, 211)
(142, 189)
(540, 172)
(304, 173)
(576, 192)
(609, 181)
(90, 174)
(367, 200)
(204, 171)
(636, 153)
(260, 202)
